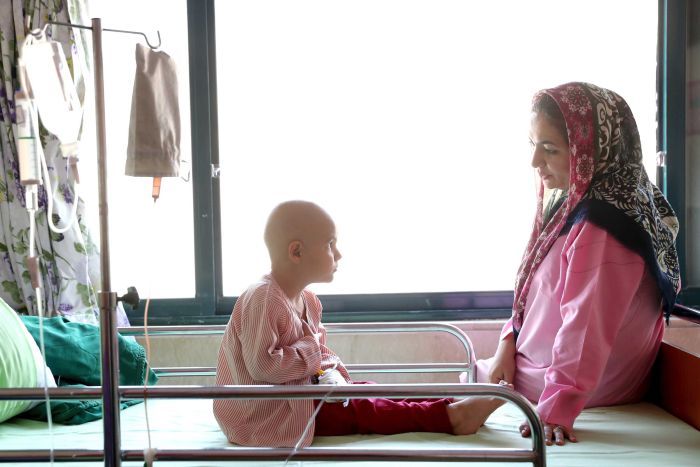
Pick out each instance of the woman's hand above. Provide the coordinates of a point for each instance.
(503, 366)
(555, 434)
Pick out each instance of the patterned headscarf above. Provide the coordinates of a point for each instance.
(608, 186)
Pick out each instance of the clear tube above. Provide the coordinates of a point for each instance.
(49, 200)
(31, 197)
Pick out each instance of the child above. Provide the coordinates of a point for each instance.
(275, 336)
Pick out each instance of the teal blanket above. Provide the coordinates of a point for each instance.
(73, 355)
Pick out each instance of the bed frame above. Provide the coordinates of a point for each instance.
(334, 328)
(536, 455)
(676, 375)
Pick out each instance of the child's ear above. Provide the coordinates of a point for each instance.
(294, 251)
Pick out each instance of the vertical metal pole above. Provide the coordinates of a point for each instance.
(107, 299)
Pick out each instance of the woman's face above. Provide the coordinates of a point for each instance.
(550, 152)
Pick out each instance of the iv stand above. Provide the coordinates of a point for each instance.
(106, 298)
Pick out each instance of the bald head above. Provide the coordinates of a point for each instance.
(294, 220)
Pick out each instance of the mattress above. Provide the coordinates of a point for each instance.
(637, 434)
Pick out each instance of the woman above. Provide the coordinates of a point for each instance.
(598, 270)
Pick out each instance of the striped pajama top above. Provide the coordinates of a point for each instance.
(267, 342)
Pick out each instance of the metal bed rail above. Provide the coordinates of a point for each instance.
(351, 367)
(333, 328)
(536, 455)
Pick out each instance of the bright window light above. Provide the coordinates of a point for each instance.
(408, 121)
(151, 246)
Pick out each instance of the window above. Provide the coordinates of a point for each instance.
(408, 121)
(146, 240)
(693, 145)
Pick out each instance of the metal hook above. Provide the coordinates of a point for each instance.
(37, 33)
(41, 33)
(139, 33)
(149, 44)
(80, 26)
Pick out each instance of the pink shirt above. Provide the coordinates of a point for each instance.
(267, 342)
(592, 327)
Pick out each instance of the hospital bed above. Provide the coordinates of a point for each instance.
(661, 431)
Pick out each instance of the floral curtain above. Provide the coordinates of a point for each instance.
(69, 262)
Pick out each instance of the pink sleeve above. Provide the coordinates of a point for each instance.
(329, 359)
(507, 329)
(265, 358)
(602, 278)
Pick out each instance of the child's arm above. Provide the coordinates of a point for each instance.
(328, 358)
(265, 357)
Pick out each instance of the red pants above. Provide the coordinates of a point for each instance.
(383, 416)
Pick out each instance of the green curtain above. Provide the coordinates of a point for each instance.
(70, 261)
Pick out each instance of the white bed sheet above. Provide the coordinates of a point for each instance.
(633, 435)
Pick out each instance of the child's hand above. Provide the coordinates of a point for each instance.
(332, 376)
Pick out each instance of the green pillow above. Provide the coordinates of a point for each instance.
(18, 360)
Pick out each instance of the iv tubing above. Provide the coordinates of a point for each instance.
(31, 200)
(313, 416)
(49, 197)
(149, 453)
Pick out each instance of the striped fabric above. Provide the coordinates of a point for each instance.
(267, 342)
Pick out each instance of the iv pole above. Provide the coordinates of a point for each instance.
(106, 298)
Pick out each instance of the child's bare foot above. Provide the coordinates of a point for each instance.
(468, 415)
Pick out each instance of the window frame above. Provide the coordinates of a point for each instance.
(209, 306)
(673, 28)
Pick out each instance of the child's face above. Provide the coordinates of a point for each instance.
(321, 252)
